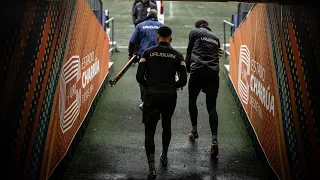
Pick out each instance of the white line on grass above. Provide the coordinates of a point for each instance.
(170, 9)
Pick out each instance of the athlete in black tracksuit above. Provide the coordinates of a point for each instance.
(202, 62)
(156, 71)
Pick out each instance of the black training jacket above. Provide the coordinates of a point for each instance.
(158, 67)
(140, 11)
(203, 50)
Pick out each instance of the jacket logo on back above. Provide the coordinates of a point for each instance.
(150, 27)
(209, 40)
(160, 54)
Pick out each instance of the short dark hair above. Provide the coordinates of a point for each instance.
(200, 23)
(164, 31)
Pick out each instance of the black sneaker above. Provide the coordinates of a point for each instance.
(214, 148)
(152, 175)
(193, 135)
(163, 160)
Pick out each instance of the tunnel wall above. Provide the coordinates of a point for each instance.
(274, 70)
(55, 60)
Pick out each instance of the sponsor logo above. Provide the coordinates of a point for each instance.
(244, 74)
(70, 93)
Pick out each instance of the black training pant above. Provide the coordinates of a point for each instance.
(154, 106)
(208, 82)
(142, 92)
(142, 88)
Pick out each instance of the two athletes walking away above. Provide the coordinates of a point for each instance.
(157, 71)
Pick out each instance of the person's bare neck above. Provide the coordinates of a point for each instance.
(167, 40)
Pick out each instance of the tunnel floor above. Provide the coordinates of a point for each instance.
(113, 144)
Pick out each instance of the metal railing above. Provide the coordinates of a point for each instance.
(113, 44)
(225, 44)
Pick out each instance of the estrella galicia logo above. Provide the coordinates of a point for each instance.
(244, 74)
(70, 93)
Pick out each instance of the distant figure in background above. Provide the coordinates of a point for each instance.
(134, 4)
(141, 9)
(144, 37)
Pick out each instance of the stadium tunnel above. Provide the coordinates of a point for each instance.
(59, 55)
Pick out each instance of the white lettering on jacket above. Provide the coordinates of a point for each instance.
(209, 40)
(150, 27)
(160, 54)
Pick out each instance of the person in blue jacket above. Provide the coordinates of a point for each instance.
(144, 36)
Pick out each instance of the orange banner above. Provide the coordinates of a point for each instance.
(84, 70)
(254, 79)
